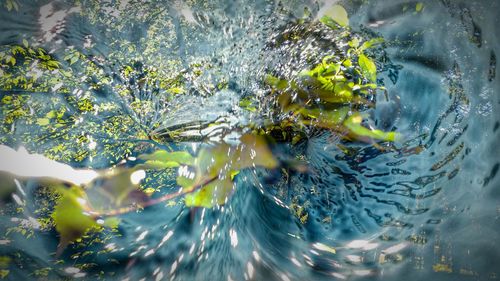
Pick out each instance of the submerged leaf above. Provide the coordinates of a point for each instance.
(353, 123)
(214, 193)
(70, 221)
(326, 118)
(117, 189)
(219, 165)
(252, 152)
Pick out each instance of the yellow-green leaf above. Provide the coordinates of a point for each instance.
(419, 7)
(210, 195)
(43, 121)
(353, 123)
(368, 68)
(326, 118)
(338, 14)
(112, 222)
(51, 114)
(176, 90)
(276, 82)
(70, 221)
(158, 165)
(370, 43)
(180, 157)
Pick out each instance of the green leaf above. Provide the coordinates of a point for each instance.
(43, 121)
(354, 43)
(158, 165)
(73, 59)
(176, 90)
(368, 68)
(69, 219)
(353, 123)
(51, 114)
(220, 164)
(112, 222)
(326, 118)
(25, 43)
(181, 157)
(276, 82)
(370, 43)
(419, 7)
(214, 193)
(162, 159)
(338, 14)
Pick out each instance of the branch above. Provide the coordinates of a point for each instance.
(152, 202)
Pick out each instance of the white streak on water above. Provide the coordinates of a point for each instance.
(23, 164)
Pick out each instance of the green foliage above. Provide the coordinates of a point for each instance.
(368, 67)
(330, 94)
(216, 167)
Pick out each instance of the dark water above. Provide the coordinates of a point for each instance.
(429, 209)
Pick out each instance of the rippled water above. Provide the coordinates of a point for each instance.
(428, 209)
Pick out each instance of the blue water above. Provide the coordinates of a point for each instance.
(428, 209)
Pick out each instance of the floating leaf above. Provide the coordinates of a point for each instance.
(213, 161)
(368, 67)
(336, 13)
(323, 247)
(70, 221)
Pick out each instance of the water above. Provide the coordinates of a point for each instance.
(428, 209)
